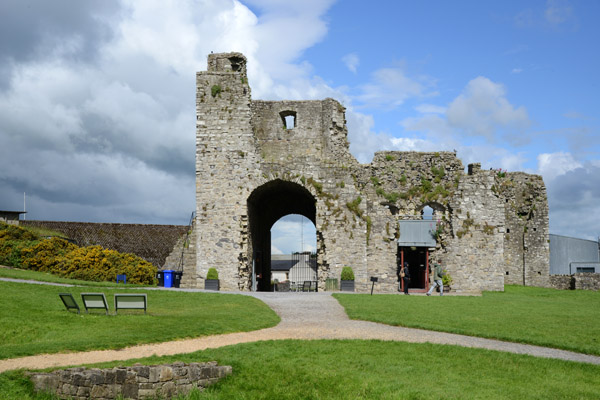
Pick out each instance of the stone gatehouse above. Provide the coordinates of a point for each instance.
(257, 161)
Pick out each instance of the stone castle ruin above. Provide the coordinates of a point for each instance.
(257, 161)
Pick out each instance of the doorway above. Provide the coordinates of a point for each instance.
(418, 266)
(266, 205)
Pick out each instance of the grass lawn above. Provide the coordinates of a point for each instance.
(565, 319)
(35, 321)
(373, 370)
(16, 273)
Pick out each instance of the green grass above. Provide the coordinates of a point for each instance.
(562, 319)
(16, 273)
(331, 369)
(35, 321)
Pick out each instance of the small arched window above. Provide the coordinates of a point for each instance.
(289, 119)
(427, 213)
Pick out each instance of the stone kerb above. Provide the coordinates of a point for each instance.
(137, 382)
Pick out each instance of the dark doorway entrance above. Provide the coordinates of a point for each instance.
(418, 261)
(266, 205)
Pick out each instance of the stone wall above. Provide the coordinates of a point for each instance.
(587, 281)
(137, 382)
(581, 281)
(258, 161)
(526, 238)
(562, 282)
(153, 243)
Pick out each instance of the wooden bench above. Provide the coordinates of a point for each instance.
(131, 301)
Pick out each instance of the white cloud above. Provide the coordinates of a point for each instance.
(573, 194)
(391, 87)
(112, 139)
(556, 164)
(293, 233)
(275, 250)
(351, 61)
(363, 141)
(483, 110)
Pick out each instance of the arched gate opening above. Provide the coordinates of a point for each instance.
(266, 205)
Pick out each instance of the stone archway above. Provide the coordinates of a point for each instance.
(266, 205)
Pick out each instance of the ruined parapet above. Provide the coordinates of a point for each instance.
(526, 238)
(301, 132)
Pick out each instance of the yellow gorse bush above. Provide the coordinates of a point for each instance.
(59, 257)
(45, 255)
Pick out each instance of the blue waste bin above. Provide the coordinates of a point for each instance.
(168, 277)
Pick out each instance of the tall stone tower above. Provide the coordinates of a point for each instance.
(225, 166)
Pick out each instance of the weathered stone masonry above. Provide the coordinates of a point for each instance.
(137, 382)
(257, 161)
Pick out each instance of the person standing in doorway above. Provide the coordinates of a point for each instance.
(437, 279)
(405, 274)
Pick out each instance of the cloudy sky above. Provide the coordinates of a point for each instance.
(97, 112)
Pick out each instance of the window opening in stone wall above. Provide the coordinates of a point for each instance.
(293, 254)
(236, 63)
(427, 213)
(289, 119)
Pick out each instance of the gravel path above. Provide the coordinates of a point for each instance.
(305, 316)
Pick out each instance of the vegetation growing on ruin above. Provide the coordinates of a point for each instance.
(215, 90)
(391, 197)
(466, 226)
(319, 189)
(354, 206)
(438, 173)
(488, 229)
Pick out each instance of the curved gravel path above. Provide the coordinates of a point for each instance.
(306, 316)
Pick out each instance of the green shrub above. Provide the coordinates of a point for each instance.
(212, 274)
(447, 279)
(13, 240)
(347, 274)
